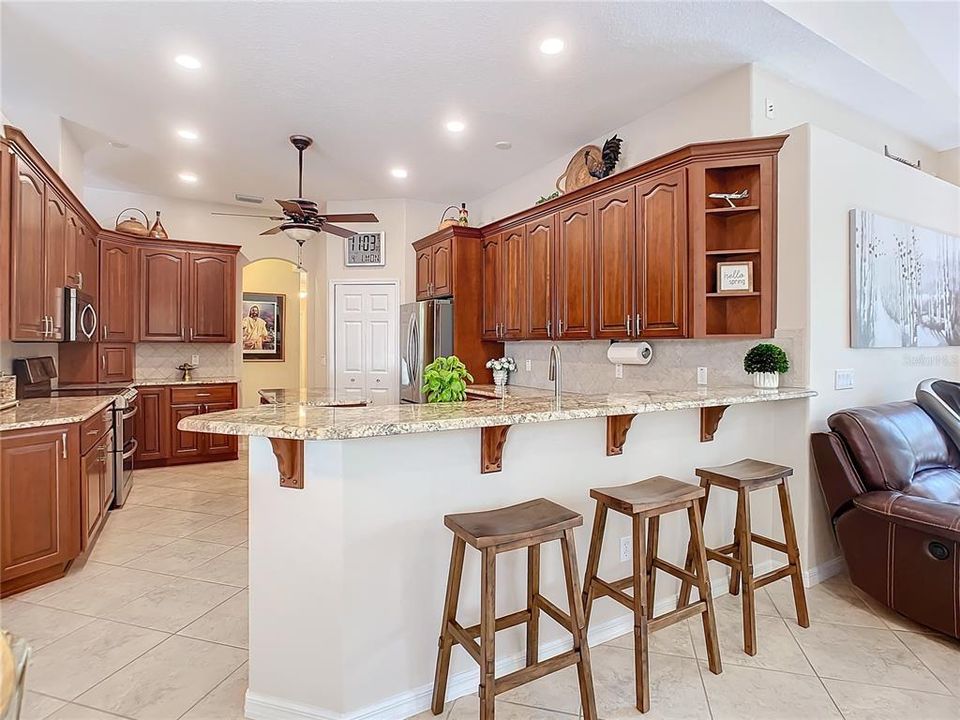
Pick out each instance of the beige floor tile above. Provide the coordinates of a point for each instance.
(832, 601)
(731, 604)
(174, 605)
(739, 693)
(106, 591)
(940, 654)
(134, 517)
(229, 531)
(78, 661)
(674, 640)
(115, 547)
(81, 571)
(776, 647)
(870, 702)
(209, 482)
(178, 557)
(166, 681)
(72, 711)
(860, 654)
(37, 624)
(225, 702)
(190, 500)
(180, 523)
(230, 568)
(228, 623)
(38, 707)
(468, 708)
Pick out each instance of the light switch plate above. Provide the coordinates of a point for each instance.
(701, 376)
(843, 379)
(626, 548)
(618, 371)
(528, 365)
(194, 359)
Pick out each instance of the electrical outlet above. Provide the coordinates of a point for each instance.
(194, 359)
(843, 379)
(769, 109)
(701, 376)
(626, 549)
(528, 365)
(618, 371)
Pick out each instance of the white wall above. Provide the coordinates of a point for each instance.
(948, 165)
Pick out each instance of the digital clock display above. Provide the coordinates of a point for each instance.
(364, 249)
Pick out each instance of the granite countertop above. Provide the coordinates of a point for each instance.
(319, 397)
(495, 392)
(305, 422)
(147, 382)
(40, 412)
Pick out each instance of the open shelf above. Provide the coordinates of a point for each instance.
(734, 251)
(732, 210)
(732, 294)
(733, 314)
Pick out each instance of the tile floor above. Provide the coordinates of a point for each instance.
(153, 626)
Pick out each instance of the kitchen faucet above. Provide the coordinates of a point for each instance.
(556, 371)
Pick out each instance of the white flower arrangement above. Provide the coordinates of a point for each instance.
(504, 363)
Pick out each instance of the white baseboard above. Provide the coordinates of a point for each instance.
(411, 702)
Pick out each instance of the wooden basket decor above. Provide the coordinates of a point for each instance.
(446, 222)
(577, 174)
(132, 226)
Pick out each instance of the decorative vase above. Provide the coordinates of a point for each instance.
(500, 377)
(158, 231)
(766, 380)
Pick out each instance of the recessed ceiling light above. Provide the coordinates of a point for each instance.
(456, 126)
(188, 177)
(188, 61)
(503, 145)
(188, 134)
(399, 172)
(551, 46)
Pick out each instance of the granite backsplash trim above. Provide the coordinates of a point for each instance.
(159, 361)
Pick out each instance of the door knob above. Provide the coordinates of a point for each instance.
(353, 379)
(378, 379)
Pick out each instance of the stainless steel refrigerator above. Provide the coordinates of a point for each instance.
(426, 329)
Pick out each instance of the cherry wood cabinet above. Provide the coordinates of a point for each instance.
(616, 257)
(212, 296)
(216, 446)
(82, 256)
(28, 320)
(151, 424)
(491, 270)
(435, 270)
(54, 262)
(118, 290)
(40, 524)
(184, 444)
(539, 278)
(512, 283)
(575, 273)
(96, 487)
(163, 295)
(424, 273)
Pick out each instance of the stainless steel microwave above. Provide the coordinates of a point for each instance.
(79, 316)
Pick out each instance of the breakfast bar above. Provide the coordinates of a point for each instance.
(349, 553)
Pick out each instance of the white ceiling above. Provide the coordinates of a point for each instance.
(374, 83)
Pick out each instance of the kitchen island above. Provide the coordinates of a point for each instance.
(349, 554)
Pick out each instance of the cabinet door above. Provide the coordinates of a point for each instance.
(539, 257)
(152, 422)
(108, 474)
(575, 273)
(184, 444)
(89, 260)
(491, 269)
(216, 445)
(424, 273)
(513, 283)
(73, 250)
(116, 362)
(212, 297)
(662, 255)
(442, 269)
(91, 488)
(54, 261)
(118, 291)
(163, 295)
(27, 275)
(615, 243)
(39, 501)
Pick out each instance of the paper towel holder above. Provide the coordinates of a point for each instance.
(630, 353)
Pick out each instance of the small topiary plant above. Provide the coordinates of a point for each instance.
(445, 380)
(766, 358)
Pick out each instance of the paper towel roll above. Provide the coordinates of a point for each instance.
(630, 353)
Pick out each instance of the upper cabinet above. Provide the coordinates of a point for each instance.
(491, 270)
(212, 297)
(575, 273)
(163, 300)
(435, 270)
(118, 290)
(615, 235)
(512, 283)
(539, 262)
(28, 319)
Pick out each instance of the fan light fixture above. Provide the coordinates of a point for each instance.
(300, 232)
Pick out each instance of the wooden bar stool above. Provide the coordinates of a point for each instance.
(527, 525)
(648, 500)
(744, 477)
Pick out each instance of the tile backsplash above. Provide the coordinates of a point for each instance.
(158, 361)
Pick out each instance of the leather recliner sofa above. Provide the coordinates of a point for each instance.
(891, 479)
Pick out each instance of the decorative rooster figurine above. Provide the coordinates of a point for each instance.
(604, 165)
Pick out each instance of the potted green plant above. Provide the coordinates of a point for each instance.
(445, 380)
(767, 362)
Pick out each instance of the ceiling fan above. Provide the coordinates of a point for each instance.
(301, 218)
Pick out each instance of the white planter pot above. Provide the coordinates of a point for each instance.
(766, 380)
(500, 377)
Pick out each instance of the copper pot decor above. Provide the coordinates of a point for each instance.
(132, 226)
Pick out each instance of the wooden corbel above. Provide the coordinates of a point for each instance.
(709, 419)
(617, 427)
(289, 454)
(491, 448)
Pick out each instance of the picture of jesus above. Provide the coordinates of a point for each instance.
(261, 326)
(254, 330)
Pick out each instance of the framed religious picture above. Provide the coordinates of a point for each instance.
(261, 326)
(734, 277)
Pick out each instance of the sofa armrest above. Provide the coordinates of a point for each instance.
(937, 518)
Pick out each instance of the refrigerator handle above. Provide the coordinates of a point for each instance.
(415, 354)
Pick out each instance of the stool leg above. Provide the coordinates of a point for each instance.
(746, 571)
(533, 589)
(488, 628)
(735, 571)
(640, 631)
(653, 540)
(578, 626)
(445, 644)
(593, 560)
(793, 553)
(703, 586)
(684, 598)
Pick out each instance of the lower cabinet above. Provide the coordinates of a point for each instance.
(96, 487)
(40, 523)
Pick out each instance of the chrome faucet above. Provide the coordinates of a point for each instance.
(556, 371)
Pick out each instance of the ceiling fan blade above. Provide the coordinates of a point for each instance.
(273, 230)
(268, 217)
(351, 217)
(290, 207)
(337, 230)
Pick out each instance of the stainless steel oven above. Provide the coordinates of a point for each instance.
(125, 407)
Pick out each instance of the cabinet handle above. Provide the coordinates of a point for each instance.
(203, 394)
(103, 331)
(103, 362)
(191, 333)
(629, 320)
(63, 450)
(92, 432)
(548, 329)
(560, 326)
(637, 328)
(80, 279)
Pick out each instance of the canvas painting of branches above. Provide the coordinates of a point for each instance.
(905, 289)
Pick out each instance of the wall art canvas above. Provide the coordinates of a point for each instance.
(261, 326)
(905, 284)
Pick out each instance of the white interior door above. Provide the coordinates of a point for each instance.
(365, 342)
